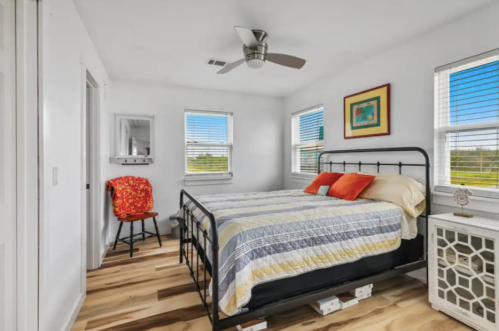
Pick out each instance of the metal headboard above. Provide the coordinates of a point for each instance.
(426, 165)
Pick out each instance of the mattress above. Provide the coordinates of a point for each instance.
(265, 237)
(409, 251)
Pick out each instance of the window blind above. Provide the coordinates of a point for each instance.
(467, 125)
(208, 142)
(307, 139)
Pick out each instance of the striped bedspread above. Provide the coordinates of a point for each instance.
(281, 234)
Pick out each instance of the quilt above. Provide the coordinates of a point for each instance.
(273, 235)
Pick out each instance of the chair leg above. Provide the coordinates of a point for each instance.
(117, 236)
(131, 239)
(143, 233)
(157, 232)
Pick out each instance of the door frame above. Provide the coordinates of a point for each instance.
(91, 243)
(28, 144)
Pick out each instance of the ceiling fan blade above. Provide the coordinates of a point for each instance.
(247, 36)
(231, 66)
(286, 60)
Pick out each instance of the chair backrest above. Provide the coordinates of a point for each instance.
(131, 195)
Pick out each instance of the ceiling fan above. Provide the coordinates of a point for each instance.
(255, 52)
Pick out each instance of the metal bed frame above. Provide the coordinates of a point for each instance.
(189, 224)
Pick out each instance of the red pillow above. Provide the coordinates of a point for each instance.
(349, 186)
(323, 179)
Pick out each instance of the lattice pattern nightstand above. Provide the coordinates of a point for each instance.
(462, 268)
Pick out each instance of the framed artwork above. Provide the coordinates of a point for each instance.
(367, 113)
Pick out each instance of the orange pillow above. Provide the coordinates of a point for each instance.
(322, 179)
(350, 186)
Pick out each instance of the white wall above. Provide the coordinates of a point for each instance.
(409, 68)
(257, 155)
(66, 45)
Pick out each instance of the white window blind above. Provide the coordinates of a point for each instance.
(467, 125)
(307, 139)
(208, 142)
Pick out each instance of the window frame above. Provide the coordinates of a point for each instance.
(441, 143)
(297, 175)
(209, 176)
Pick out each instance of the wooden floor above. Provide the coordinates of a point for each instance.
(152, 291)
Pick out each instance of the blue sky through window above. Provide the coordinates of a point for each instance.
(311, 130)
(312, 127)
(206, 135)
(474, 94)
(207, 128)
(474, 98)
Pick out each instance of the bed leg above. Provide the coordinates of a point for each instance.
(180, 252)
(181, 255)
(214, 279)
(215, 274)
(182, 230)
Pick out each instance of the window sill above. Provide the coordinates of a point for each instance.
(302, 178)
(489, 205)
(208, 179)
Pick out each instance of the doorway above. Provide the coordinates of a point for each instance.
(91, 203)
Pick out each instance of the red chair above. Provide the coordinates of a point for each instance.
(131, 220)
(132, 202)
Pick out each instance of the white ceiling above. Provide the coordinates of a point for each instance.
(169, 41)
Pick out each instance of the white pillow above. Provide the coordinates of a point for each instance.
(401, 190)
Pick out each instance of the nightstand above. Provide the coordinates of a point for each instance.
(462, 268)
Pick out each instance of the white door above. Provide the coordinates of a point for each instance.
(7, 166)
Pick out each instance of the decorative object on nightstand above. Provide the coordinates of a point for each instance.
(461, 196)
(462, 268)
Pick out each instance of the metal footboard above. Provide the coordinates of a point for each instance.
(189, 242)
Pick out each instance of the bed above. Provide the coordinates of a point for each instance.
(268, 252)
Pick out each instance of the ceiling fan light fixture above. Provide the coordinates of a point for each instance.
(255, 52)
(255, 63)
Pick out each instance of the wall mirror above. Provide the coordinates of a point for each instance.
(134, 139)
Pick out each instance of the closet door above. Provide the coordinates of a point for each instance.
(7, 166)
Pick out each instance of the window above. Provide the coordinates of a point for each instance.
(307, 139)
(208, 143)
(467, 125)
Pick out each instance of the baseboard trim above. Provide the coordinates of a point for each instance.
(104, 254)
(76, 311)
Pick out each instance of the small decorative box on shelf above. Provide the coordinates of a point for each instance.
(462, 268)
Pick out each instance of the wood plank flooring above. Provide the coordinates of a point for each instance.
(153, 292)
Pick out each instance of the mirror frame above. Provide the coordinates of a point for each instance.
(133, 159)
